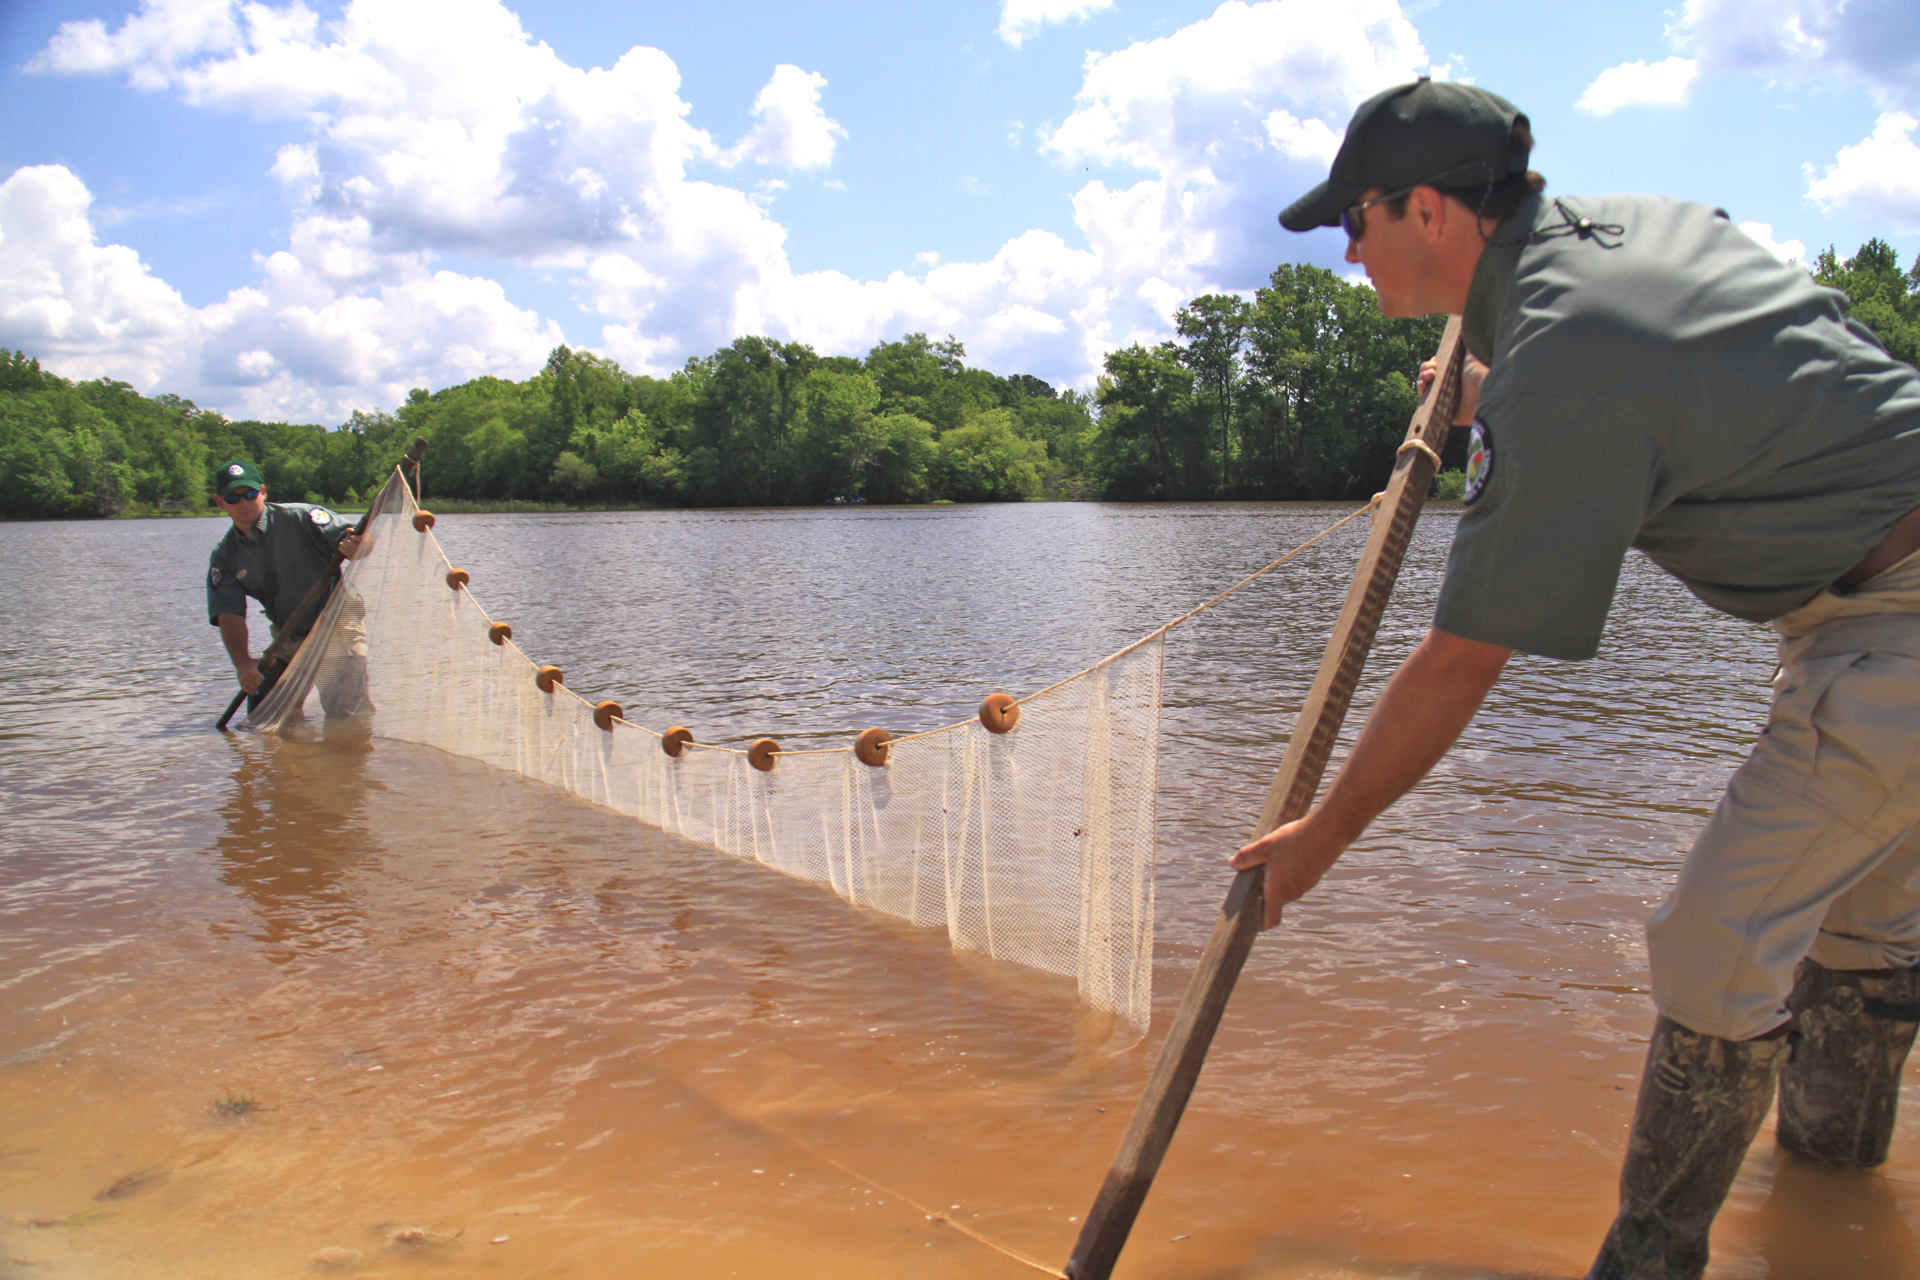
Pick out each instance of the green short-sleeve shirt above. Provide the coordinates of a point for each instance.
(1659, 380)
(287, 552)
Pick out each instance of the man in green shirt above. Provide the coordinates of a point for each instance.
(1643, 375)
(274, 552)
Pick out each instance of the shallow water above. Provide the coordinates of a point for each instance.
(430, 996)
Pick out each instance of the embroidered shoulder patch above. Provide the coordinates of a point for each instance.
(213, 576)
(1479, 461)
(320, 515)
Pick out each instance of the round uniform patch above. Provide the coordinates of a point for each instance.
(235, 469)
(1479, 461)
(320, 515)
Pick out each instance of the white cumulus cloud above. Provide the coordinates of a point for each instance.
(1022, 18)
(1660, 84)
(427, 128)
(1233, 117)
(1785, 250)
(1849, 41)
(75, 302)
(790, 128)
(1878, 178)
(293, 346)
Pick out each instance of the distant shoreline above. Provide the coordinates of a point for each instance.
(514, 507)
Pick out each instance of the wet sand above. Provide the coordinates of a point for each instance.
(280, 1001)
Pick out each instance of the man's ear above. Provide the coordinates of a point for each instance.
(1431, 208)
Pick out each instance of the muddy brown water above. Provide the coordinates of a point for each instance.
(267, 1004)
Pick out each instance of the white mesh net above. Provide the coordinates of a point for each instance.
(1033, 846)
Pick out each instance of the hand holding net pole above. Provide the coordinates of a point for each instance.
(1158, 1113)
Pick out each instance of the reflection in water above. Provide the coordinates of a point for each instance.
(293, 831)
(465, 1004)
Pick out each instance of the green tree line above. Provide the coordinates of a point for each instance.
(1302, 391)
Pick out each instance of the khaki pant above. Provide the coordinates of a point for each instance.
(1815, 848)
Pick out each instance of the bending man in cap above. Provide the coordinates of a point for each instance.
(1645, 375)
(275, 552)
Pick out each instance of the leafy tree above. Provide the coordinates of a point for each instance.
(986, 460)
(902, 457)
(1153, 436)
(1882, 297)
(1214, 326)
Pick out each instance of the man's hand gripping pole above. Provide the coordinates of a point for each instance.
(1158, 1113)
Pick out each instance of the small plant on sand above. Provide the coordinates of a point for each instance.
(235, 1106)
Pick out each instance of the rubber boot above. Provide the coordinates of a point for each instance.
(1701, 1101)
(1839, 1089)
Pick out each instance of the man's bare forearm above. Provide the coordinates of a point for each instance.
(233, 634)
(1421, 713)
(1426, 705)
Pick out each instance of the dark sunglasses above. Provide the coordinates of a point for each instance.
(237, 496)
(1352, 219)
(1354, 223)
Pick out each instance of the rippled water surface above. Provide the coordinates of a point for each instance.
(265, 1005)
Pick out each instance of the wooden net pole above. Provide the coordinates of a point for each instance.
(1158, 1113)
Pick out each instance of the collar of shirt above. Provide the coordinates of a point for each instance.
(1487, 296)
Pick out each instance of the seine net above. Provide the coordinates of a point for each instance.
(1033, 846)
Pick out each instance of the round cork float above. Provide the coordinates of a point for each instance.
(605, 713)
(760, 755)
(499, 633)
(422, 521)
(674, 740)
(547, 677)
(870, 748)
(999, 713)
(457, 578)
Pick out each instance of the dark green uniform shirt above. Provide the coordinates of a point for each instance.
(1659, 380)
(287, 552)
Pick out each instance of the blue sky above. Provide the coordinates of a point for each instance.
(294, 211)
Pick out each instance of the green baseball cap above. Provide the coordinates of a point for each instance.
(238, 474)
(1426, 132)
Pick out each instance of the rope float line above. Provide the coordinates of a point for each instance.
(999, 712)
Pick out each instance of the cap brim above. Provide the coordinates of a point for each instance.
(1320, 207)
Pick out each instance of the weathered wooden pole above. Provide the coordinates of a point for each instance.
(1158, 1113)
